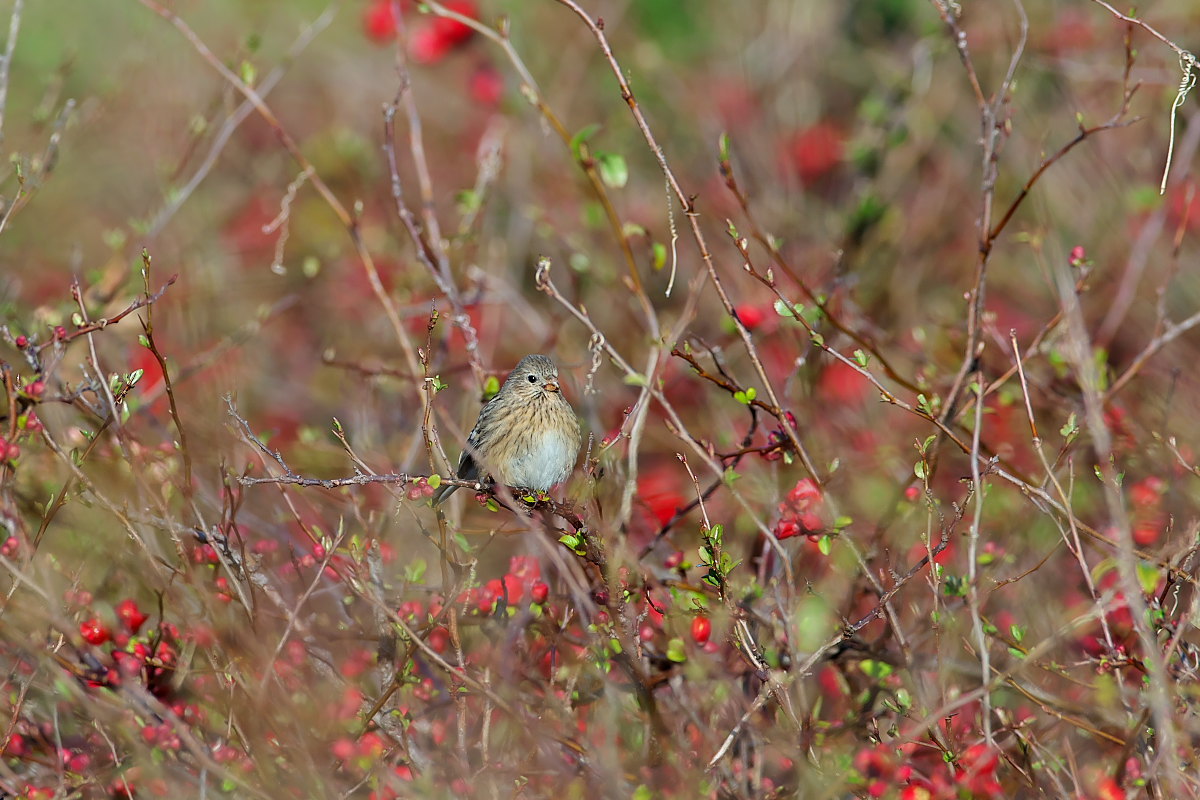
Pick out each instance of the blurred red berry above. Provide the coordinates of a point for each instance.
(1147, 531)
(94, 632)
(379, 23)
(343, 749)
(428, 47)
(701, 629)
(486, 85)
(539, 592)
(1147, 492)
(674, 560)
(22, 341)
(815, 151)
(750, 315)
(36, 389)
(657, 491)
(1109, 789)
(439, 639)
(451, 30)
(130, 615)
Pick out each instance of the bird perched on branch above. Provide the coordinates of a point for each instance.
(526, 436)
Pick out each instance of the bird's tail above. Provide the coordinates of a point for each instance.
(443, 491)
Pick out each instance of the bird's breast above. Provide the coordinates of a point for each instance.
(548, 461)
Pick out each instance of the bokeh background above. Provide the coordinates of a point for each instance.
(854, 133)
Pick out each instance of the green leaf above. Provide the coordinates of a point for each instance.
(636, 379)
(467, 201)
(781, 308)
(248, 73)
(1017, 632)
(574, 542)
(135, 376)
(434, 481)
(579, 261)
(676, 651)
(723, 146)
(143, 341)
(414, 571)
(861, 358)
(492, 505)
(491, 387)
(1148, 577)
(817, 339)
(842, 522)
(919, 470)
(580, 138)
(824, 544)
(730, 476)
(613, 169)
(660, 255)
(876, 670)
(1071, 428)
(746, 397)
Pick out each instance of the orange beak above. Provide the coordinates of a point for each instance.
(550, 386)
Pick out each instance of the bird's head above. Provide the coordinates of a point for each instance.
(534, 376)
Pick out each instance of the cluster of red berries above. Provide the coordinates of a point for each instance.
(524, 575)
(420, 489)
(428, 42)
(9, 451)
(798, 513)
(973, 774)
(150, 657)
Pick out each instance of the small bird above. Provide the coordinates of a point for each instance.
(526, 436)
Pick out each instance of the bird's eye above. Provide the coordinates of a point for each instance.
(533, 379)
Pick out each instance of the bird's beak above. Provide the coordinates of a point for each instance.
(550, 386)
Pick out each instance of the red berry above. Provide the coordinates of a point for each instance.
(701, 629)
(36, 389)
(428, 46)
(539, 592)
(486, 86)
(439, 639)
(94, 632)
(751, 316)
(130, 615)
(379, 22)
(22, 342)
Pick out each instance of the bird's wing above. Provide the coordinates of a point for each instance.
(468, 466)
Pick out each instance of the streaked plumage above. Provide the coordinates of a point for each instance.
(527, 435)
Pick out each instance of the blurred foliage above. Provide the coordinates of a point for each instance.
(854, 134)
